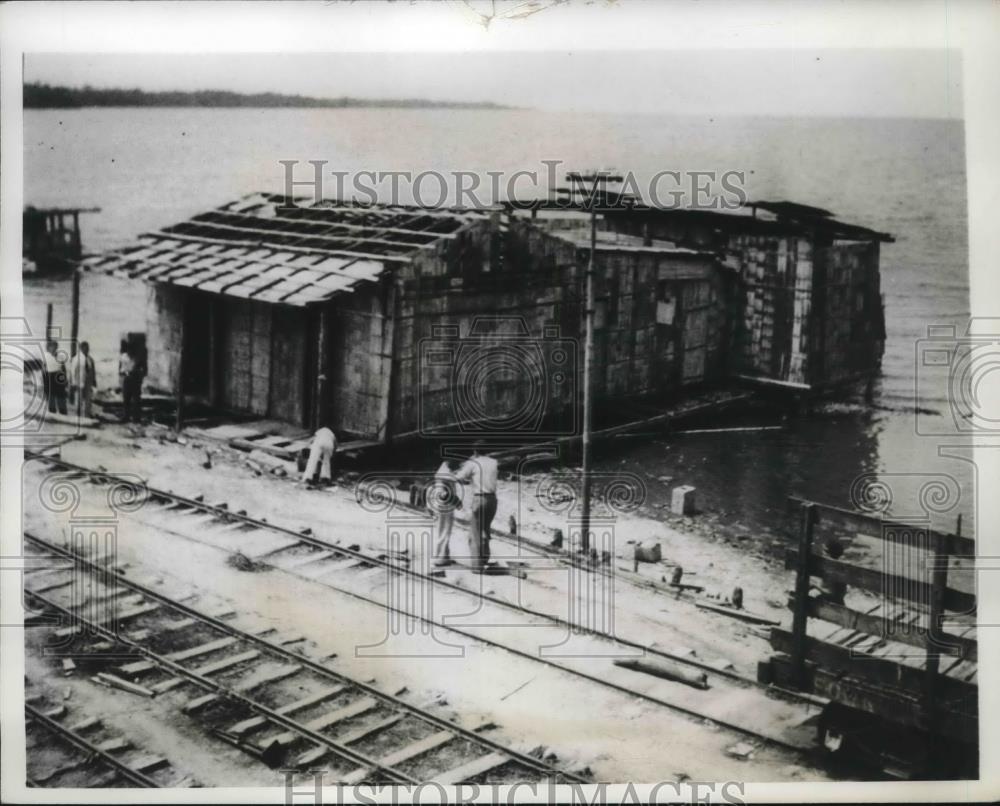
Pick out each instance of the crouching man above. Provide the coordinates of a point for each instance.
(322, 453)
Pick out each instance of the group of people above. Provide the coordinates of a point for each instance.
(478, 473)
(74, 381)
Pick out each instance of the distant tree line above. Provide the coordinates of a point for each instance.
(47, 96)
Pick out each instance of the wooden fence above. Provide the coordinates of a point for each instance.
(909, 658)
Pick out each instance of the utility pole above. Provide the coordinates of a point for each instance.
(595, 180)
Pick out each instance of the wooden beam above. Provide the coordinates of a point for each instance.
(272, 239)
(800, 613)
(389, 381)
(845, 520)
(887, 703)
(260, 244)
(949, 644)
(840, 660)
(315, 219)
(320, 407)
(880, 582)
(323, 232)
(179, 413)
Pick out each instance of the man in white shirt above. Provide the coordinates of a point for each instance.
(321, 455)
(82, 380)
(442, 502)
(480, 473)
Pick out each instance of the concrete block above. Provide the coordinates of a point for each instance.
(682, 500)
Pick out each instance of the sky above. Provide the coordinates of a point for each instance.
(822, 82)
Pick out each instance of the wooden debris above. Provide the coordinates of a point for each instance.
(742, 615)
(741, 750)
(125, 685)
(661, 667)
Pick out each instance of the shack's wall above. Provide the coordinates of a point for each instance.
(807, 312)
(290, 375)
(164, 318)
(850, 323)
(243, 339)
(774, 334)
(358, 335)
(520, 304)
(260, 353)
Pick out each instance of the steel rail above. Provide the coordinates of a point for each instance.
(353, 756)
(594, 678)
(227, 515)
(393, 702)
(136, 777)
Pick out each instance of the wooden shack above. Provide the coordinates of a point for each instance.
(289, 311)
(660, 319)
(388, 321)
(51, 237)
(809, 313)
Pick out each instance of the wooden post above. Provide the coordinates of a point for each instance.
(178, 424)
(933, 641)
(588, 360)
(74, 331)
(390, 339)
(48, 321)
(77, 250)
(214, 365)
(800, 617)
(322, 362)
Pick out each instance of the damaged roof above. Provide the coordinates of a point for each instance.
(779, 217)
(270, 248)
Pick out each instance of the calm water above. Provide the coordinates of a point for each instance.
(150, 168)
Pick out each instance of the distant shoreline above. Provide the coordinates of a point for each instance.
(47, 96)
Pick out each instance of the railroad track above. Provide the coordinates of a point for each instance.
(314, 558)
(311, 550)
(258, 695)
(65, 749)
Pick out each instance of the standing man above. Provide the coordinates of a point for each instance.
(83, 380)
(443, 503)
(126, 371)
(131, 371)
(54, 379)
(480, 473)
(321, 458)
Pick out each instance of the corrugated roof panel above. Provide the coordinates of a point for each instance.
(364, 270)
(305, 277)
(256, 255)
(305, 261)
(333, 263)
(160, 272)
(239, 291)
(310, 295)
(257, 280)
(268, 295)
(213, 286)
(190, 280)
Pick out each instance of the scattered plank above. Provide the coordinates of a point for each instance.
(125, 685)
(661, 667)
(742, 615)
(472, 769)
